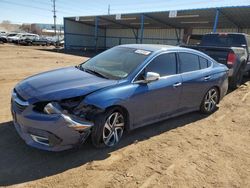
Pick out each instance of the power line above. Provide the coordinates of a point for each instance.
(69, 7)
(47, 3)
(23, 5)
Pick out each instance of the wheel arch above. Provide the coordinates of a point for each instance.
(219, 92)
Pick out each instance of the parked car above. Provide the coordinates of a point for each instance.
(11, 36)
(35, 41)
(57, 43)
(41, 41)
(3, 32)
(123, 88)
(25, 36)
(231, 49)
(3, 39)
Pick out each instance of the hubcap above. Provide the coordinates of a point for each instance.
(211, 100)
(113, 129)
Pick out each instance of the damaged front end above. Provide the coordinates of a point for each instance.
(54, 125)
(75, 113)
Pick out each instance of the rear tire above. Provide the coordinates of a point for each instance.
(236, 81)
(248, 74)
(210, 101)
(108, 129)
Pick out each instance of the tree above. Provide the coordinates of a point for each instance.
(25, 27)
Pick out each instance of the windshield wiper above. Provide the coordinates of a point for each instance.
(92, 72)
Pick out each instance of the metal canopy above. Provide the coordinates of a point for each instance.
(228, 17)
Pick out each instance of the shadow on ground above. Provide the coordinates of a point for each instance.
(20, 163)
(245, 81)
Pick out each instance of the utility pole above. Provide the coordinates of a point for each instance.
(109, 9)
(54, 16)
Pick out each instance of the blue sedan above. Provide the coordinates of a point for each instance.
(123, 88)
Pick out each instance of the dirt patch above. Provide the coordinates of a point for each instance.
(188, 151)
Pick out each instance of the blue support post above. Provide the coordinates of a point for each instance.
(137, 35)
(65, 35)
(105, 39)
(142, 28)
(96, 33)
(216, 20)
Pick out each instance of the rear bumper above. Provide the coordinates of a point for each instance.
(49, 132)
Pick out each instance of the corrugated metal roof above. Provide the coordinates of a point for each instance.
(237, 17)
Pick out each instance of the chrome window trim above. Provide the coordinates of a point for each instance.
(177, 61)
(199, 55)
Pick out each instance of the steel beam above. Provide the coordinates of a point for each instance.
(96, 33)
(161, 22)
(142, 28)
(64, 31)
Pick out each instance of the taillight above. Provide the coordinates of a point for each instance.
(231, 58)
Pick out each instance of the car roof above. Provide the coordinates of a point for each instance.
(159, 48)
(150, 47)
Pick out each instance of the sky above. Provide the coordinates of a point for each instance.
(40, 11)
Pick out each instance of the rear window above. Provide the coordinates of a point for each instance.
(203, 63)
(223, 40)
(188, 62)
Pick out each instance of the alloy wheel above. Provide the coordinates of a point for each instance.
(113, 129)
(211, 100)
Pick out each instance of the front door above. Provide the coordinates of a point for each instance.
(157, 99)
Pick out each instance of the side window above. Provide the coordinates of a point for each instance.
(203, 63)
(164, 65)
(188, 62)
(209, 63)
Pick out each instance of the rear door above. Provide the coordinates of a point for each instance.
(196, 79)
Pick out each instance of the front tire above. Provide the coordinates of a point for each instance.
(108, 128)
(210, 101)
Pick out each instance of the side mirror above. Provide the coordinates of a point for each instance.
(149, 77)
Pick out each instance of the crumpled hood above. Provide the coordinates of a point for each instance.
(60, 84)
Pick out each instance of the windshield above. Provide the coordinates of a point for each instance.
(116, 63)
(223, 40)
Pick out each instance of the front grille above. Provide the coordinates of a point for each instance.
(39, 107)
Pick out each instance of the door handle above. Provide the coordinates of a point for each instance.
(178, 84)
(207, 78)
